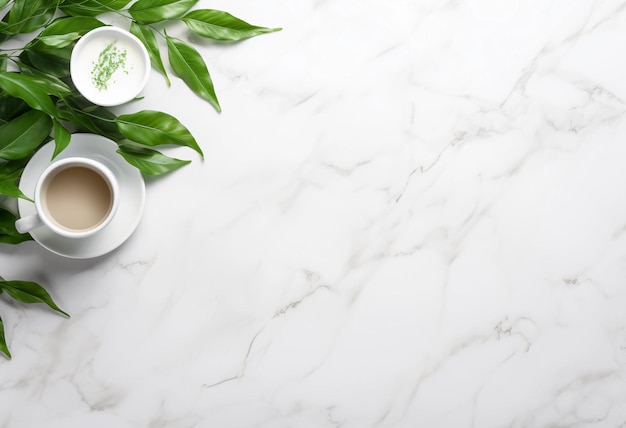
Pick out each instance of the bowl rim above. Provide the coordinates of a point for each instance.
(121, 33)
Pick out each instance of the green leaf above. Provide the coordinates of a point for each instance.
(3, 343)
(146, 35)
(50, 84)
(21, 136)
(188, 64)
(9, 188)
(26, 16)
(150, 162)
(26, 88)
(61, 138)
(29, 292)
(150, 11)
(76, 117)
(12, 107)
(87, 117)
(3, 62)
(60, 40)
(72, 24)
(48, 61)
(3, 3)
(101, 117)
(64, 53)
(4, 34)
(92, 7)
(10, 173)
(218, 25)
(64, 32)
(22, 9)
(153, 128)
(8, 233)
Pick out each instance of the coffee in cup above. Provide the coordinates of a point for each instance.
(74, 197)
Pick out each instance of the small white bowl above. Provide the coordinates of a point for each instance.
(109, 66)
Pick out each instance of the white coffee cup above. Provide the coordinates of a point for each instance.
(74, 197)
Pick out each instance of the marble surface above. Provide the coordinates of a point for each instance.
(410, 214)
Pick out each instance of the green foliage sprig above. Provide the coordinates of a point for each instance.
(39, 103)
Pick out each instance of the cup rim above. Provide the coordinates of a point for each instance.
(92, 164)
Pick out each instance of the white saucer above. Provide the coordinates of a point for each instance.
(132, 197)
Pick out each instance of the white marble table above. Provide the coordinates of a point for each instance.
(410, 214)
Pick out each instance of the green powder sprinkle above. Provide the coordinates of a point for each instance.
(110, 59)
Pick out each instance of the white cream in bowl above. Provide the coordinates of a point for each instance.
(109, 66)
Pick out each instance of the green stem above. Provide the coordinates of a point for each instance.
(155, 30)
(94, 116)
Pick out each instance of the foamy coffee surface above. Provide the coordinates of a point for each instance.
(77, 198)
